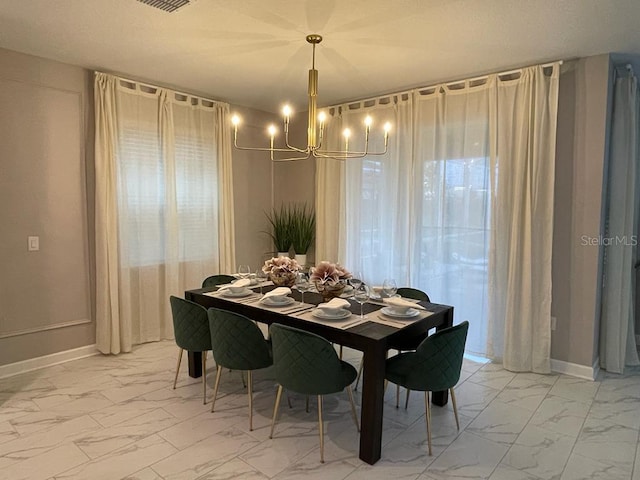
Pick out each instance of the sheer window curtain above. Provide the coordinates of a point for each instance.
(523, 131)
(164, 214)
(426, 214)
(617, 332)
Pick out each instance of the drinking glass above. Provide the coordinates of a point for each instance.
(302, 284)
(260, 277)
(389, 287)
(356, 280)
(361, 295)
(244, 271)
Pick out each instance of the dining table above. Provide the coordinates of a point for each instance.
(371, 335)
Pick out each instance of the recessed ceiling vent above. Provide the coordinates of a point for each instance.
(167, 5)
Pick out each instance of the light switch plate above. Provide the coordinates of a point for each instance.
(34, 244)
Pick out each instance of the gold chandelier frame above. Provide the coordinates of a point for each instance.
(315, 128)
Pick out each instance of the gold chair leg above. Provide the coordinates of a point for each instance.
(455, 407)
(353, 407)
(204, 378)
(275, 410)
(321, 427)
(175, 380)
(359, 375)
(215, 387)
(250, 390)
(406, 401)
(428, 415)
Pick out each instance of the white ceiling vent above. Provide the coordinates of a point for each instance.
(167, 5)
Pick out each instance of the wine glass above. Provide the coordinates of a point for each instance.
(389, 287)
(356, 280)
(244, 271)
(361, 295)
(260, 277)
(302, 284)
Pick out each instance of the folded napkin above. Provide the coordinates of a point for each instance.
(245, 282)
(278, 292)
(334, 304)
(402, 303)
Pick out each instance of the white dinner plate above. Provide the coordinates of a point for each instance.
(270, 302)
(243, 293)
(319, 313)
(411, 312)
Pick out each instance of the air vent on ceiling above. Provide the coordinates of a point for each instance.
(167, 5)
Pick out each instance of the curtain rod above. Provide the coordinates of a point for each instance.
(454, 82)
(158, 86)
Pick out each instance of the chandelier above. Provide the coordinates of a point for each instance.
(315, 129)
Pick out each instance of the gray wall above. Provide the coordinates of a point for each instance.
(46, 180)
(46, 144)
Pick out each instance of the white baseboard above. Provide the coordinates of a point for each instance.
(575, 370)
(47, 360)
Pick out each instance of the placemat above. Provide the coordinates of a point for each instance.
(351, 321)
(379, 317)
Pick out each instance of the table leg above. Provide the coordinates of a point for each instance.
(372, 403)
(441, 398)
(195, 364)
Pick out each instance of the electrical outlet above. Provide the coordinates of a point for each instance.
(33, 244)
(554, 321)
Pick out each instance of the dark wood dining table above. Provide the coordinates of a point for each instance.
(371, 338)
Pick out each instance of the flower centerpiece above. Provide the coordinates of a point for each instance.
(330, 279)
(282, 271)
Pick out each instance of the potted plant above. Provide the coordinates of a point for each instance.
(302, 230)
(280, 233)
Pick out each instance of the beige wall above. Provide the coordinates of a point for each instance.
(45, 146)
(252, 189)
(581, 155)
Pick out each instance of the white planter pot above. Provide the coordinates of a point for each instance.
(283, 254)
(301, 258)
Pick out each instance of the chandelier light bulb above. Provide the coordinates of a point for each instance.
(346, 133)
(272, 130)
(322, 117)
(368, 121)
(286, 111)
(387, 127)
(235, 120)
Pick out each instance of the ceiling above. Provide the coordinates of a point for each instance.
(254, 53)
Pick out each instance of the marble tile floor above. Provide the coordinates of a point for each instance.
(117, 417)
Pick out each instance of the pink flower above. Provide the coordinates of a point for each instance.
(280, 265)
(329, 273)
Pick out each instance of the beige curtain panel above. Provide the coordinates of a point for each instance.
(164, 209)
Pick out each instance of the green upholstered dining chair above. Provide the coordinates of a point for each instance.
(407, 292)
(434, 366)
(238, 344)
(191, 330)
(308, 364)
(404, 344)
(408, 344)
(215, 280)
